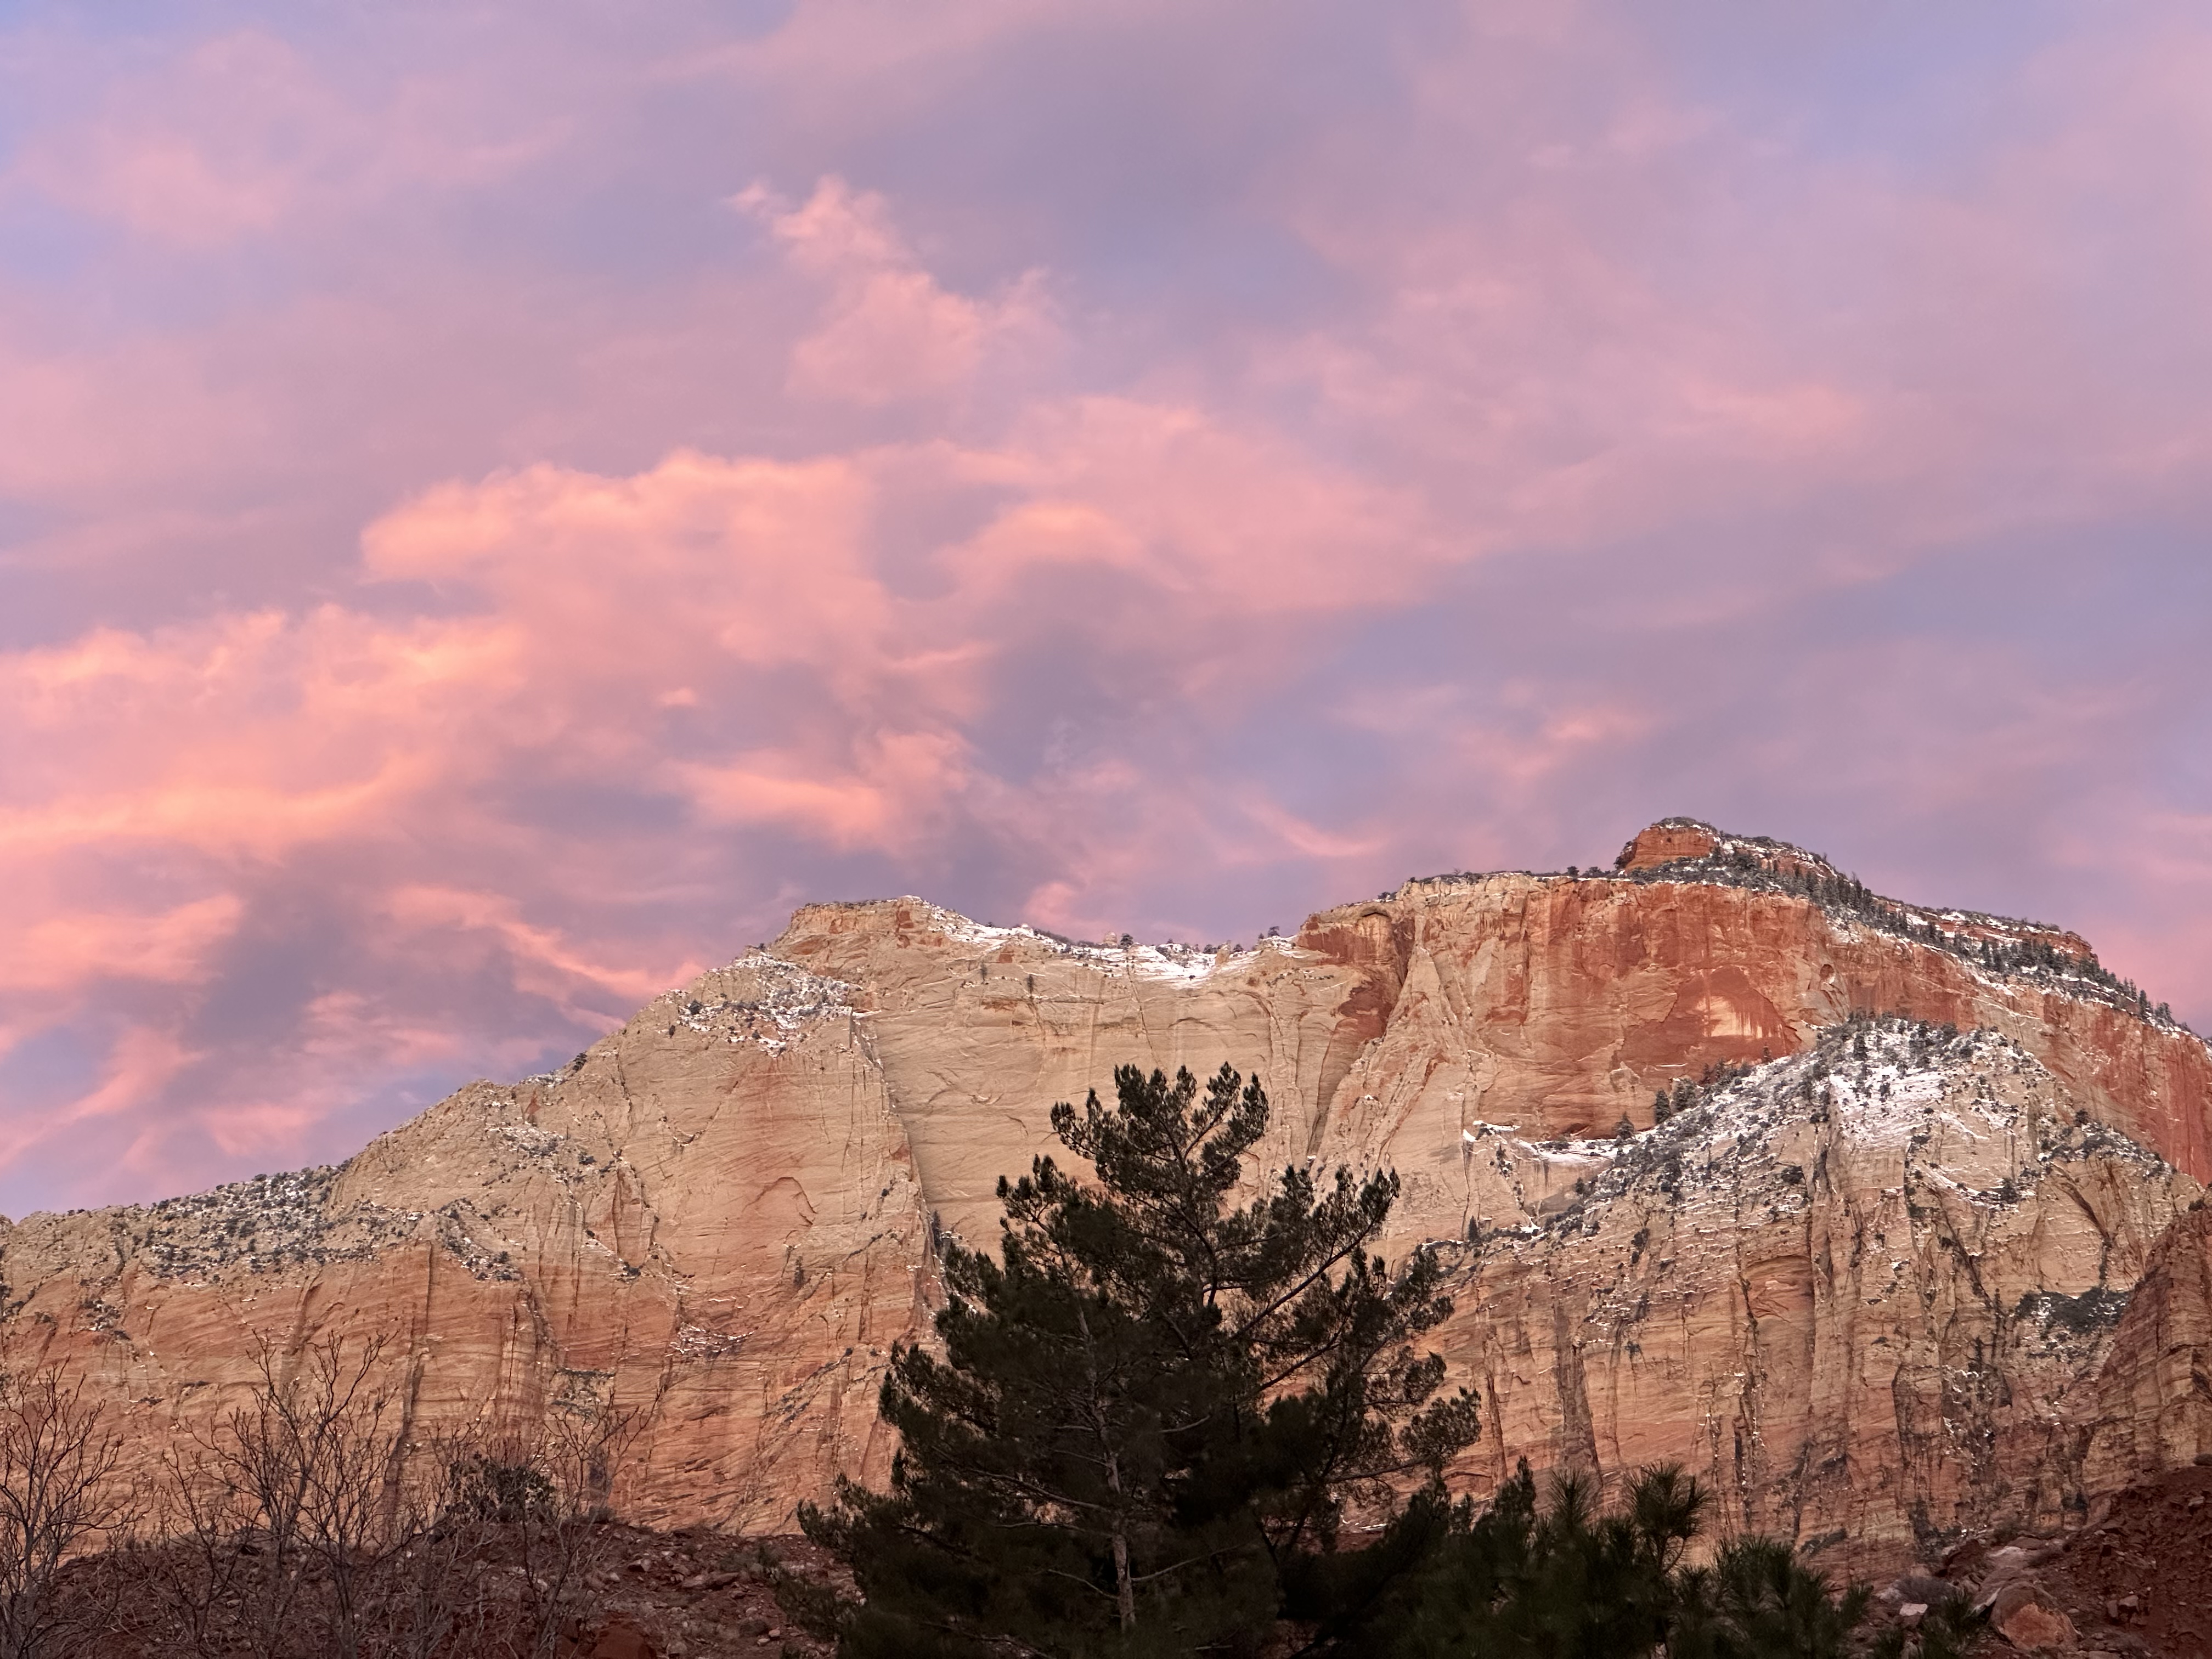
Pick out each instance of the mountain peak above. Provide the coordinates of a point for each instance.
(1678, 841)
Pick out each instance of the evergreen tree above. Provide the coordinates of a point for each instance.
(1151, 1410)
(1514, 1582)
(1950, 1629)
(1511, 1580)
(1758, 1600)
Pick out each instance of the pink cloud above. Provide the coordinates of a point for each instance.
(142, 1062)
(221, 143)
(237, 134)
(1219, 519)
(267, 1127)
(579, 613)
(888, 330)
(1457, 470)
(547, 961)
(60, 950)
(747, 563)
(1310, 839)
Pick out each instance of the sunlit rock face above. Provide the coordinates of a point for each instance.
(712, 1220)
(1865, 1293)
(1865, 1283)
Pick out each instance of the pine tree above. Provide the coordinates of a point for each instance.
(1151, 1410)
(1950, 1629)
(1758, 1601)
(1514, 1581)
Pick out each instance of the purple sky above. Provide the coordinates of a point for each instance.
(500, 502)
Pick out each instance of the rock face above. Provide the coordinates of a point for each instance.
(712, 1219)
(2153, 1405)
(1865, 1280)
(1860, 1292)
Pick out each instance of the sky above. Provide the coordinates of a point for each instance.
(499, 503)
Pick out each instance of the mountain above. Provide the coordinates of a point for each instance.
(1918, 1248)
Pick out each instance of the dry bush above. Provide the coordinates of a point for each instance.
(61, 1496)
(312, 1521)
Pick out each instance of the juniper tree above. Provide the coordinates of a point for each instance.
(1152, 1406)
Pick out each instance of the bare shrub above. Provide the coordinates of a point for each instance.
(286, 1511)
(61, 1496)
(311, 1520)
(543, 1494)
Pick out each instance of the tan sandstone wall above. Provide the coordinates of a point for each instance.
(722, 1218)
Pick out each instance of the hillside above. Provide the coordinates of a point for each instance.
(1876, 1279)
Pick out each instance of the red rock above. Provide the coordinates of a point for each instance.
(2152, 1407)
(1667, 841)
(2030, 1621)
(723, 1216)
(623, 1640)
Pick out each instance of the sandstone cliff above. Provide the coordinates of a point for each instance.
(713, 1218)
(1865, 1293)
(2151, 1409)
(1870, 1293)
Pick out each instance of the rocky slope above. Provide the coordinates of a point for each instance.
(712, 1217)
(1868, 1292)
(2134, 1580)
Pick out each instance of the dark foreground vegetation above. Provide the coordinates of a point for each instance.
(1155, 1423)
(310, 1524)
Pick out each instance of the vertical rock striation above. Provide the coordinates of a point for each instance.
(1864, 1293)
(711, 1218)
(1873, 1277)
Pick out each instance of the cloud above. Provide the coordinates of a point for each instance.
(497, 510)
(56, 951)
(235, 135)
(597, 676)
(222, 143)
(887, 330)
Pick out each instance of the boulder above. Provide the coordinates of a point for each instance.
(2028, 1618)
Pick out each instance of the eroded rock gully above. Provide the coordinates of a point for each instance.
(1878, 1281)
